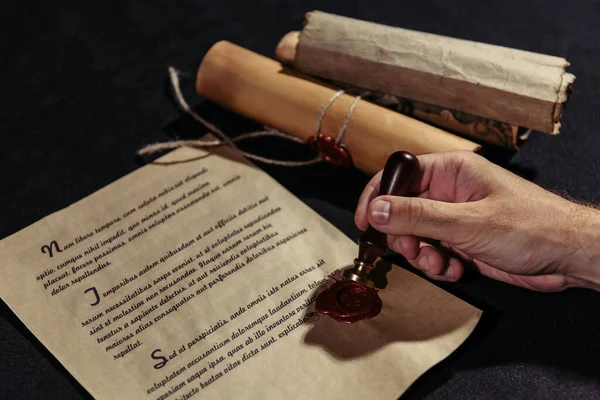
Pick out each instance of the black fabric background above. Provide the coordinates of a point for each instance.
(83, 87)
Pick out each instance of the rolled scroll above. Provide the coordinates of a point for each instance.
(484, 91)
(262, 89)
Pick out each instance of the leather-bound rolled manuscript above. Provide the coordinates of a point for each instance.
(266, 91)
(486, 92)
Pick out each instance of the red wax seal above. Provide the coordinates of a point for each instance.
(331, 152)
(348, 302)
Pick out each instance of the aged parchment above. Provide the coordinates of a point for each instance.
(194, 277)
(488, 81)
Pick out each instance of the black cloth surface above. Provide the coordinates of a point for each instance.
(84, 86)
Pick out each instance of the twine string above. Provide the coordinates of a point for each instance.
(267, 132)
(340, 136)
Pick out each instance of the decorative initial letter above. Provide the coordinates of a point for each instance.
(155, 357)
(93, 289)
(48, 248)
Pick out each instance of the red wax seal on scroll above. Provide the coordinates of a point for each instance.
(348, 302)
(331, 152)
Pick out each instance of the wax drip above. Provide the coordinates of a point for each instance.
(318, 142)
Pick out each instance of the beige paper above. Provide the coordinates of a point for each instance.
(194, 278)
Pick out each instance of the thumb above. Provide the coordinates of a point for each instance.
(395, 215)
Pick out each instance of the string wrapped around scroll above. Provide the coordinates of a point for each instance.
(336, 155)
(264, 90)
(337, 125)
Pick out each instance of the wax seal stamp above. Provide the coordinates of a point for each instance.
(355, 297)
(348, 301)
(329, 150)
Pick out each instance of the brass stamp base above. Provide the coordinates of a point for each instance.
(360, 273)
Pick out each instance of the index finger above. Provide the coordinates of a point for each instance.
(369, 193)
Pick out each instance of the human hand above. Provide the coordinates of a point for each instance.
(466, 211)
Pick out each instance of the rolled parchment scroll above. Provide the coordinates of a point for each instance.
(484, 91)
(264, 90)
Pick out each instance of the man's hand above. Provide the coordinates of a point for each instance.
(464, 210)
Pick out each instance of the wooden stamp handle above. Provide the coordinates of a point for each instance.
(399, 172)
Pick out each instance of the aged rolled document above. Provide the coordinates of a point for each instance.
(262, 89)
(195, 278)
(482, 90)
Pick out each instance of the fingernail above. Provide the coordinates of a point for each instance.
(380, 211)
(423, 264)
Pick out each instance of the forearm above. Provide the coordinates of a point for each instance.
(584, 262)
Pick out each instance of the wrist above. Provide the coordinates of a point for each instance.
(583, 263)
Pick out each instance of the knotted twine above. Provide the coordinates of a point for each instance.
(225, 139)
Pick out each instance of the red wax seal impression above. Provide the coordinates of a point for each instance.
(331, 152)
(348, 302)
